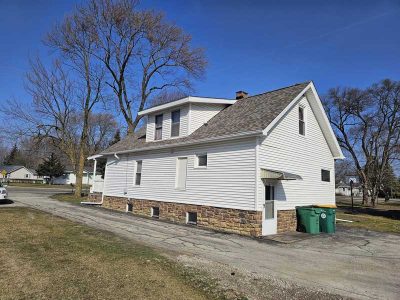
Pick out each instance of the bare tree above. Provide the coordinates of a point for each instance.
(367, 125)
(74, 40)
(55, 120)
(142, 52)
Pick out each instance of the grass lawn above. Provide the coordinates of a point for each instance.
(46, 257)
(385, 217)
(40, 185)
(70, 197)
(46, 186)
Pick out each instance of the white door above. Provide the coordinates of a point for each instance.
(269, 225)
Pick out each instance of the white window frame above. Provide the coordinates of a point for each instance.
(177, 187)
(304, 108)
(161, 127)
(152, 212)
(129, 205)
(136, 172)
(176, 123)
(196, 161)
(330, 175)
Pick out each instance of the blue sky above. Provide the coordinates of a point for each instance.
(251, 45)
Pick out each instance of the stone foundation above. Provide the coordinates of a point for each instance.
(244, 222)
(287, 220)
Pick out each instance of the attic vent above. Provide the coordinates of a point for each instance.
(241, 95)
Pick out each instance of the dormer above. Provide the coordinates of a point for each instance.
(181, 117)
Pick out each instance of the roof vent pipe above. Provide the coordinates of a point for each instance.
(241, 95)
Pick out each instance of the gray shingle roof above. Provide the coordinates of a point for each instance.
(10, 168)
(250, 114)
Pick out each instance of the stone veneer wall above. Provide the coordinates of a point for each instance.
(287, 220)
(244, 222)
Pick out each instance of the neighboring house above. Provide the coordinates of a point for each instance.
(344, 188)
(238, 166)
(69, 177)
(18, 172)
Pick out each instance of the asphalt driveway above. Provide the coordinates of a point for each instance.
(351, 263)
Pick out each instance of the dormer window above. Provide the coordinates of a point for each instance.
(175, 122)
(302, 123)
(158, 132)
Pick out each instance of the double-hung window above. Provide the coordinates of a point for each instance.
(159, 123)
(175, 122)
(302, 123)
(138, 175)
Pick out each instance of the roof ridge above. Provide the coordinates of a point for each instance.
(283, 88)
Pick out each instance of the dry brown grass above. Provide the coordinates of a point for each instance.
(46, 257)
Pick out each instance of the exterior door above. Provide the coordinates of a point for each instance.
(269, 225)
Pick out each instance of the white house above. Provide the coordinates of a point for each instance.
(344, 188)
(69, 177)
(17, 172)
(232, 165)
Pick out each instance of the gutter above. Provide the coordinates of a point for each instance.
(202, 141)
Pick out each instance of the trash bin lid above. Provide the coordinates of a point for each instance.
(325, 205)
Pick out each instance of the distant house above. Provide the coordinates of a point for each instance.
(18, 172)
(343, 187)
(237, 166)
(69, 177)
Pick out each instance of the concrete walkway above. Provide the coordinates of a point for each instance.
(351, 263)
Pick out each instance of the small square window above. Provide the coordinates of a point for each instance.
(325, 175)
(201, 160)
(191, 218)
(129, 207)
(155, 212)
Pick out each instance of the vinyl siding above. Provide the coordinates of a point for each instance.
(166, 131)
(20, 174)
(284, 149)
(200, 113)
(228, 181)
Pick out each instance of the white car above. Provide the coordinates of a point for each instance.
(3, 193)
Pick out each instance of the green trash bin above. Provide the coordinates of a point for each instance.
(327, 220)
(308, 219)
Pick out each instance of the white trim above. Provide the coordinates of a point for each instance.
(305, 121)
(196, 142)
(330, 136)
(189, 129)
(186, 100)
(94, 156)
(257, 175)
(196, 160)
(325, 117)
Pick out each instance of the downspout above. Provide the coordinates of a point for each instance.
(102, 194)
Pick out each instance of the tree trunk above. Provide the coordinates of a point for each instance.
(79, 173)
(365, 195)
(374, 196)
